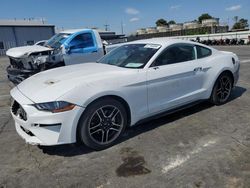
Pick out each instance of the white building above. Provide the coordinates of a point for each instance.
(141, 31)
(176, 27)
(210, 22)
(191, 25)
(151, 30)
(162, 29)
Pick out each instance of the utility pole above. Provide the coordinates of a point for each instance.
(122, 26)
(106, 26)
(236, 19)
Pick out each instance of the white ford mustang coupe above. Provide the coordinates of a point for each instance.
(94, 102)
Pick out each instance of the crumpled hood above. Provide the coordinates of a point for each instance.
(19, 52)
(52, 84)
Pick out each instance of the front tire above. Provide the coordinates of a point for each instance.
(102, 123)
(222, 89)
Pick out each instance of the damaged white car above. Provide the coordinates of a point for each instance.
(65, 48)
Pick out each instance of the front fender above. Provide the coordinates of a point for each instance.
(85, 95)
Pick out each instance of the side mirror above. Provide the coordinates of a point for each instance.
(68, 49)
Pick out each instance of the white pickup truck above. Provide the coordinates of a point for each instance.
(65, 48)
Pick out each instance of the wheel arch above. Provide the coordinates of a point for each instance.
(116, 97)
(225, 71)
(228, 71)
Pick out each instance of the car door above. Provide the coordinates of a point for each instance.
(174, 78)
(82, 48)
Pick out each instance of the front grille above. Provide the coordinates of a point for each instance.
(17, 110)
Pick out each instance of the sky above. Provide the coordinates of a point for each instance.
(132, 14)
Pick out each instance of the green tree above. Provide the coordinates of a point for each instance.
(204, 17)
(171, 22)
(161, 22)
(241, 24)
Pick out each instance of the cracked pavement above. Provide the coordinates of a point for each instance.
(203, 146)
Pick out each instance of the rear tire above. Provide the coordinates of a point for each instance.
(222, 89)
(102, 123)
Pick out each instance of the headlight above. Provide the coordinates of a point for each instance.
(57, 106)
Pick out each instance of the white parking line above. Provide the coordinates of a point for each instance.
(179, 160)
(4, 96)
(245, 61)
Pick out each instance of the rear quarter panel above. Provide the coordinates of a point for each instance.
(218, 63)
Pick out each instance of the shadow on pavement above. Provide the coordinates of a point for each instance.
(70, 150)
(237, 92)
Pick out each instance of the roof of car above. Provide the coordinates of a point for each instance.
(70, 31)
(163, 41)
(166, 41)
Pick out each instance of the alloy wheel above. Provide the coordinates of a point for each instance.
(106, 124)
(224, 88)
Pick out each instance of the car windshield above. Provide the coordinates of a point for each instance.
(130, 55)
(57, 40)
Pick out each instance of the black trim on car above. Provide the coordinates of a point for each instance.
(198, 46)
(168, 112)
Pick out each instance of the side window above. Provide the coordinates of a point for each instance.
(82, 41)
(203, 52)
(176, 54)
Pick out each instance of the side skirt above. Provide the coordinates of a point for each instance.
(169, 112)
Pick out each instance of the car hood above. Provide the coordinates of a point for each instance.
(52, 84)
(22, 51)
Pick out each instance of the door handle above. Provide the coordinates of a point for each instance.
(197, 69)
(155, 68)
(94, 51)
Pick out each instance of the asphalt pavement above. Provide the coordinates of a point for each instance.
(203, 146)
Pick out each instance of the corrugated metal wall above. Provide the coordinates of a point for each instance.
(13, 36)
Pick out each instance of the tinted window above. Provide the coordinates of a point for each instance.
(203, 52)
(176, 54)
(82, 41)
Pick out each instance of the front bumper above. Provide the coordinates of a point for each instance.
(16, 75)
(45, 128)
